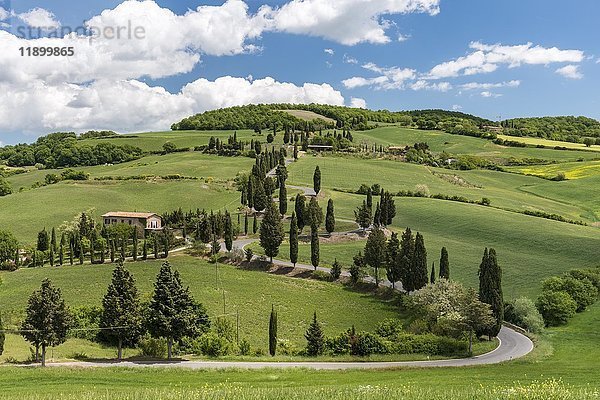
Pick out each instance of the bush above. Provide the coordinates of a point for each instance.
(85, 318)
(582, 291)
(389, 328)
(593, 275)
(213, 345)
(8, 265)
(556, 307)
(336, 270)
(522, 312)
(244, 347)
(338, 345)
(153, 347)
(249, 254)
(321, 276)
(368, 343)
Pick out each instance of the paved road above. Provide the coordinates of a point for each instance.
(512, 345)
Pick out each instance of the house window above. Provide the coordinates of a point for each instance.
(129, 222)
(106, 221)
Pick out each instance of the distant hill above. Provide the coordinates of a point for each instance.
(265, 116)
(571, 129)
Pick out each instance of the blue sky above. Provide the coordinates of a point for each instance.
(556, 74)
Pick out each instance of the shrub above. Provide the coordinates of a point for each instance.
(244, 347)
(321, 276)
(153, 347)
(582, 291)
(522, 312)
(338, 345)
(249, 254)
(286, 348)
(556, 307)
(85, 318)
(389, 328)
(593, 275)
(213, 345)
(368, 343)
(8, 265)
(336, 270)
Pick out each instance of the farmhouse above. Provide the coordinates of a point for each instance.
(320, 147)
(147, 221)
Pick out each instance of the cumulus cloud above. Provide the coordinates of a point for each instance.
(100, 105)
(570, 71)
(357, 102)
(345, 21)
(489, 94)
(350, 60)
(487, 85)
(388, 78)
(456, 107)
(39, 18)
(329, 51)
(487, 58)
(3, 14)
(426, 85)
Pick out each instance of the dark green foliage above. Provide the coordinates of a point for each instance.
(357, 267)
(300, 209)
(5, 187)
(377, 216)
(294, 240)
(315, 338)
(2, 336)
(330, 217)
(47, 318)
(273, 332)
(432, 277)
(282, 199)
(581, 290)
(173, 313)
(375, 251)
(135, 243)
(336, 270)
(388, 208)
(314, 246)
(254, 224)
(490, 288)
(43, 240)
(418, 274)
(144, 252)
(246, 224)
(260, 196)
(295, 151)
(53, 242)
(572, 129)
(271, 231)
(444, 264)
(362, 216)
(317, 180)
(369, 198)
(121, 317)
(314, 213)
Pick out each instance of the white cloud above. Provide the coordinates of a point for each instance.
(345, 21)
(480, 86)
(403, 38)
(357, 102)
(3, 14)
(389, 78)
(570, 71)
(39, 18)
(329, 51)
(426, 85)
(456, 107)
(37, 107)
(487, 58)
(489, 94)
(350, 60)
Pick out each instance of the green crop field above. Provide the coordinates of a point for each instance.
(549, 143)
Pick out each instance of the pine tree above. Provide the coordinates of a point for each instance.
(314, 246)
(490, 289)
(330, 217)
(300, 209)
(375, 251)
(315, 338)
(418, 266)
(393, 260)
(228, 232)
(271, 231)
(273, 332)
(173, 313)
(282, 199)
(432, 278)
(336, 270)
(317, 180)
(444, 264)
(362, 216)
(314, 213)
(121, 318)
(294, 240)
(47, 318)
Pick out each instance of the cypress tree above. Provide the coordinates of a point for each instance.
(254, 225)
(294, 240)
(418, 268)
(145, 250)
(314, 213)
(53, 242)
(273, 332)
(432, 278)
(135, 243)
(165, 242)
(377, 216)
(155, 247)
(71, 252)
(228, 232)
(330, 217)
(375, 251)
(314, 246)
(112, 250)
(407, 249)
(81, 251)
(444, 264)
(362, 216)
(123, 248)
(296, 150)
(393, 260)
(260, 197)
(61, 249)
(369, 198)
(2, 336)
(336, 270)
(246, 224)
(315, 338)
(300, 209)
(490, 289)
(271, 231)
(204, 228)
(102, 249)
(282, 199)
(121, 308)
(317, 180)
(51, 256)
(250, 192)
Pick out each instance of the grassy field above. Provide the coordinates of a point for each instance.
(566, 354)
(549, 143)
(456, 144)
(250, 292)
(574, 170)
(308, 115)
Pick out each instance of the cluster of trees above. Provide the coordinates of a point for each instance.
(233, 147)
(97, 135)
(172, 313)
(563, 296)
(60, 150)
(566, 128)
(385, 210)
(339, 141)
(5, 187)
(258, 188)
